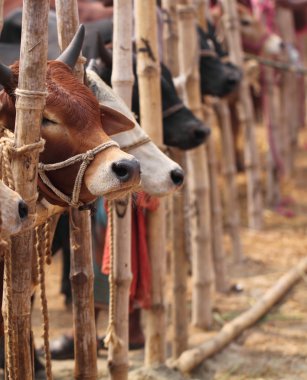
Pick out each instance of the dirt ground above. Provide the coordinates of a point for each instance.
(276, 347)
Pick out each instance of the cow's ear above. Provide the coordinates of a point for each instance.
(113, 121)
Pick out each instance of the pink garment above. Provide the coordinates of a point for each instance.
(265, 10)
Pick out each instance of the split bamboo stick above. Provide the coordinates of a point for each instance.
(179, 254)
(122, 81)
(191, 358)
(254, 193)
(81, 272)
(198, 181)
(148, 70)
(30, 101)
(229, 171)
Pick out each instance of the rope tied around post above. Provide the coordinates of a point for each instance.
(111, 336)
(43, 256)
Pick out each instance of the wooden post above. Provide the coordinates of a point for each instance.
(289, 98)
(272, 121)
(148, 70)
(229, 171)
(254, 193)
(217, 232)
(81, 272)
(179, 254)
(197, 167)
(122, 81)
(30, 101)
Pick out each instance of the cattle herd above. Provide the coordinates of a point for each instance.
(148, 173)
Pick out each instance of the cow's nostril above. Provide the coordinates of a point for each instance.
(177, 176)
(202, 133)
(22, 210)
(126, 170)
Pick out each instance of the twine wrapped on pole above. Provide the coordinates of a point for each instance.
(30, 102)
(254, 193)
(81, 271)
(148, 70)
(122, 81)
(198, 180)
(179, 254)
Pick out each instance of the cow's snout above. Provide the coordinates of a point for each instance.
(201, 133)
(177, 176)
(126, 170)
(22, 209)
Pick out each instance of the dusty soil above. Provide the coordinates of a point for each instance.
(276, 347)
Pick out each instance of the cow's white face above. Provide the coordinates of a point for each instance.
(273, 45)
(14, 211)
(159, 174)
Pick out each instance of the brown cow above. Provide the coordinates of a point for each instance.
(74, 123)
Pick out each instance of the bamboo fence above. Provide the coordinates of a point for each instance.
(148, 71)
(81, 273)
(122, 81)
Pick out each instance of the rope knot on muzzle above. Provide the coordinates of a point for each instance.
(88, 157)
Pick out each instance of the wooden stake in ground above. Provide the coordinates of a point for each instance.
(148, 70)
(289, 97)
(254, 194)
(122, 81)
(229, 171)
(81, 272)
(179, 254)
(30, 102)
(191, 358)
(198, 180)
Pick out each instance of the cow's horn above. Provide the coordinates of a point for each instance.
(6, 75)
(71, 53)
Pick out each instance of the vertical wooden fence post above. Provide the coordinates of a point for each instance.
(148, 70)
(30, 102)
(197, 167)
(229, 171)
(122, 81)
(179, 254)
(81, 273)
(254, 192)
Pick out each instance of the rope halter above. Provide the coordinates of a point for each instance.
(86, 158)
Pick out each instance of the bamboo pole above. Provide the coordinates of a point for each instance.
(179, 254)
(122, 81)
(289, 97)
(81, 271)
(148, 70)
(191, 358)
(272, 116)
(30, 101)
(217, 231)
(229, 171)
(198, 182)
(254, 194)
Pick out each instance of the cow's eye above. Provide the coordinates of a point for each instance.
(46, 121)
(245, 22)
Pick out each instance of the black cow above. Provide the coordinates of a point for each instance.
(218, 78)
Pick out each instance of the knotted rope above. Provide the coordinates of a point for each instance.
(86, 159)
(111, 336)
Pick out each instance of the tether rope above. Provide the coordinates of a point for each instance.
(111, 336)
